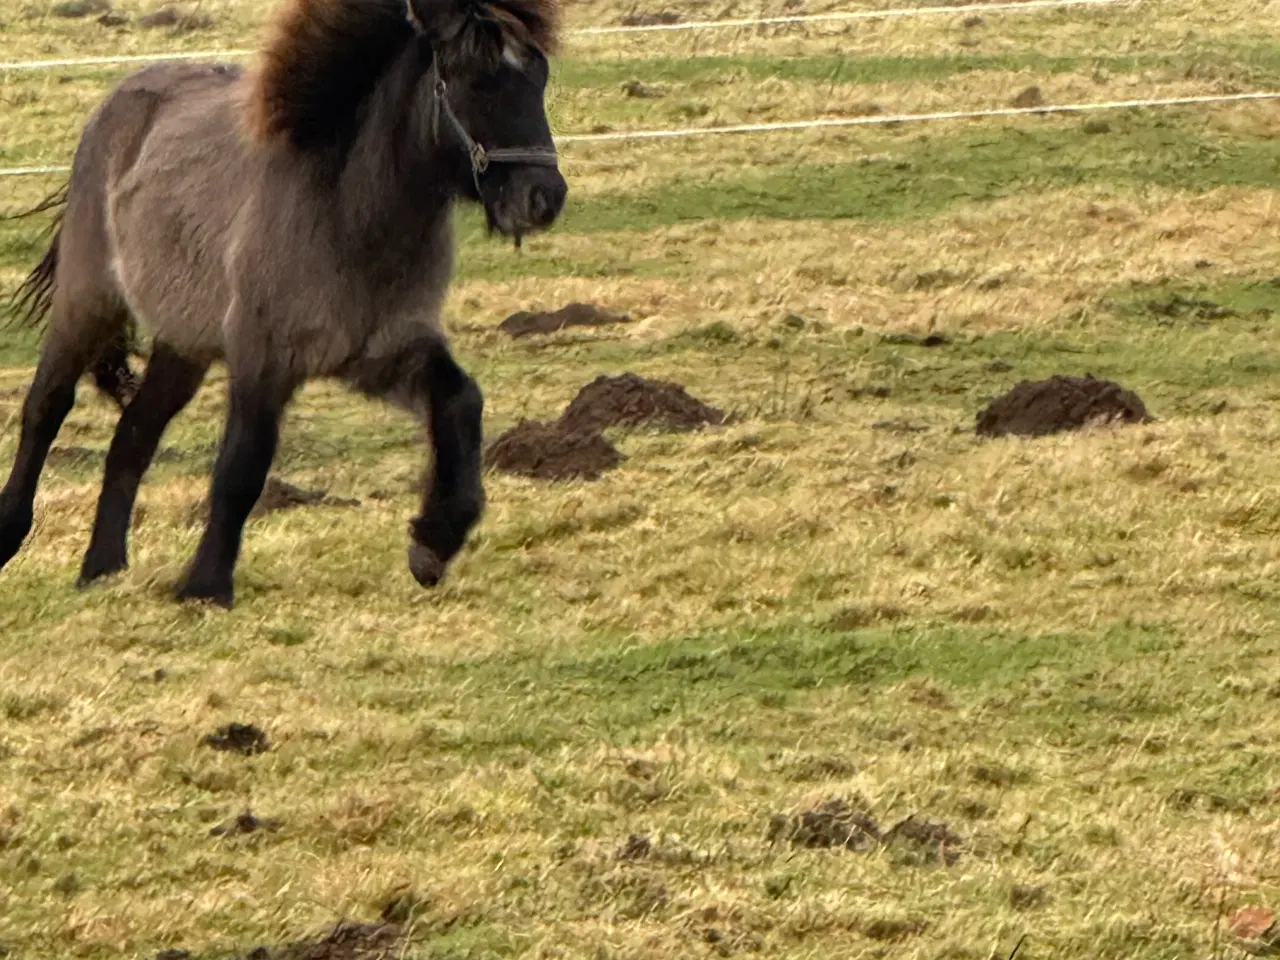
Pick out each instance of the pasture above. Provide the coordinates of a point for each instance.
(600, 735)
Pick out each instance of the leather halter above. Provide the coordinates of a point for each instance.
(479, 156)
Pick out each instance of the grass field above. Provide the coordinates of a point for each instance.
(1064, 649)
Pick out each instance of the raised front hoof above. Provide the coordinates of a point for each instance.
(427, 568)
(95, 570)
(200, 590)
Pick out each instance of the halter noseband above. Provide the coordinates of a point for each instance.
(480, 157)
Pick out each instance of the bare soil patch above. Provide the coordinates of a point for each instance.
(279, 495)
(912, 841)
(180, 21)
(835, 823)
(74, 457)
(347, 941)
(924, 841)
(1040, 408)
(528, 323)
(629, 400)
(75, 9)
(650, 18)
(242, 738)
(246, 822)
(552, 451)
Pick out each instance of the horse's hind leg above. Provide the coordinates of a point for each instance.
(50, 398)
(425, 379)
(169, 384)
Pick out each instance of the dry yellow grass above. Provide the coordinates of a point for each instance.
(1017, 266)
(1064, 648)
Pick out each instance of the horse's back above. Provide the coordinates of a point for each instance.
(157, 181)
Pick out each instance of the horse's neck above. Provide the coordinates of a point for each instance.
(395, 189)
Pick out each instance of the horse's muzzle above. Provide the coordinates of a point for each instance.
(531, 199)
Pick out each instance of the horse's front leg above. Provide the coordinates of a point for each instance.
(423, 377)
(249, 443)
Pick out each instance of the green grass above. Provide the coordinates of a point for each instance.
(1063, 649)
(932, 174)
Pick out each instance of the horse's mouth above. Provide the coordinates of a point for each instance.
(505, 225)
(521, 208)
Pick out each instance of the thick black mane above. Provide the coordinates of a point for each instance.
(325, 57)
(324, 60)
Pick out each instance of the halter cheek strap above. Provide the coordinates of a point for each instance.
(480, 157)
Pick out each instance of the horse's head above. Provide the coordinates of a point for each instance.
(488, 82)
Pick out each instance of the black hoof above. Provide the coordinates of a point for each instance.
(195, 590)
(94, 570)
(13, 530)
(426, 567)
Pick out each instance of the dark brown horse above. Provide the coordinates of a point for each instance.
(292, 222)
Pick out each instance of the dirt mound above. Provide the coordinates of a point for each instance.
(243, 738)
(347, 941)
(832, 824)
(573, 447)
(838, 823)
(1037, 409)
(926, 841)
(552, 451)
(629, 401)
(527, 323)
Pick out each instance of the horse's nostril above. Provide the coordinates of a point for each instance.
(545, 204)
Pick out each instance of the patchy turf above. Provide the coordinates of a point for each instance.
(834, 677)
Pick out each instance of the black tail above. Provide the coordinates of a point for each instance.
(34, 297)
(33, 300)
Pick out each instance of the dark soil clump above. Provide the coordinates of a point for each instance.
(527, 323)
(924, 841)
(244, 823)
(242, 738)
(647, 19)
(74, 457)
(895, 930)
(552, 451)
(631, 401)
(838, 823)
(180, 22)
(347, 941)
(1027, 897)
(832, 824)
(75, 9)
(637, 847)
(1040, 408)
(278, 495)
